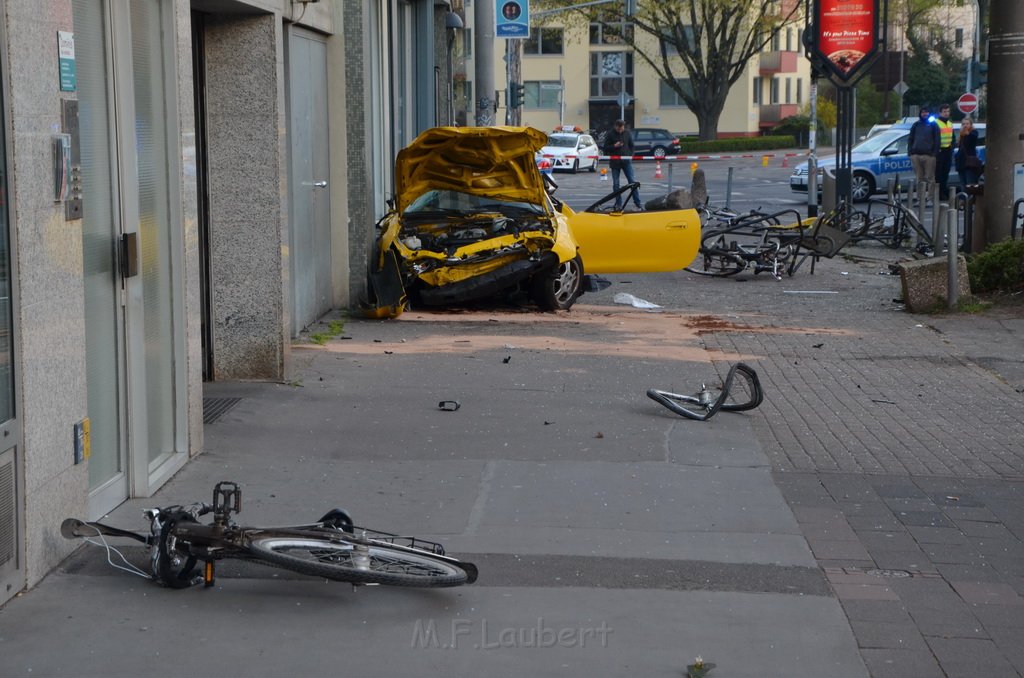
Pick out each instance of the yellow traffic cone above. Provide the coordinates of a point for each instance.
(604, 174)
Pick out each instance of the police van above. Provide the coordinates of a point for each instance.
(878, 159)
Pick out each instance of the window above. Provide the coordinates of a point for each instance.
(789, 85)
(541, 94)
(467, 42)
(789, 39)
(799, 91)
(669, 97)
(543, 41)
(958, 38)
(776, 42)
(671, 48)
(774, 85)
(611, 33)
(610, 73)
(757, 90)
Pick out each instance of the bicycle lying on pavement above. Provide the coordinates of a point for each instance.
(331, 548)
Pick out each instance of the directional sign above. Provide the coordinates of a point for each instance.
(967, 103)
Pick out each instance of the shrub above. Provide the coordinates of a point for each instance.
(1000, 267)
(737, 144)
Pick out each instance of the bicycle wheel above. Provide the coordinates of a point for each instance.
(357, 562)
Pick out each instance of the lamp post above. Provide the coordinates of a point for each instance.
(452, 23)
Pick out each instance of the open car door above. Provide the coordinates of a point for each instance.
(636, 242)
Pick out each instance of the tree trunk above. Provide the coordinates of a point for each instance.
(1004, 144)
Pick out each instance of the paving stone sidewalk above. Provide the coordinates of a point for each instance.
(898, 441)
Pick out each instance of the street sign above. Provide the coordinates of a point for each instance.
(512, 18)
(967, 103)
(900, 88)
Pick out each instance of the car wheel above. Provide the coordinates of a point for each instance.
(575, 166)
(659, 152)
(593, 166)
(862, 187)
(557, 288)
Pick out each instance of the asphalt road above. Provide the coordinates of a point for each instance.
(754, 184)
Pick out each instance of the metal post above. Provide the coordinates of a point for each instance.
(938, 214)
(812, 159)
(483, 44)
(728, 189)
(953, 288)
(671, 165)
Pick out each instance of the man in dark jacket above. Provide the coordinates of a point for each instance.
(923, 147)
(618, 143)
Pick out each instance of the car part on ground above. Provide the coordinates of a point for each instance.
(741, 391)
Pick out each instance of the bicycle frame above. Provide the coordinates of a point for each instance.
(178, 541)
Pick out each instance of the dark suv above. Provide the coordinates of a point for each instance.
(653, 141)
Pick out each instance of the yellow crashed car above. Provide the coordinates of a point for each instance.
(472, 219)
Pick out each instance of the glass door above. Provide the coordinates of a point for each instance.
(101, 233)
(134, 339)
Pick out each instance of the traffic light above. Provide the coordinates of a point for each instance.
(979, 74)
(515, 94)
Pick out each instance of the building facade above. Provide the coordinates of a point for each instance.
(575, 74)
(186, 185)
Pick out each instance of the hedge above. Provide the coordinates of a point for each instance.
(737, 144)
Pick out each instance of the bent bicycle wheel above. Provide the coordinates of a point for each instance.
(357, 562)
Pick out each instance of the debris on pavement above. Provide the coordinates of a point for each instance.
(705, 403)
(635, 302)
(448, 405)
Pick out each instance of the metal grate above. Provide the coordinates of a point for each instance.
(8, 517)
(213, 408)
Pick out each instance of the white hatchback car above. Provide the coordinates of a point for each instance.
(571, 151)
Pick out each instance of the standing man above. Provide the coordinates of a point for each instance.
(945, 157)
(618, 143)
(923, 146)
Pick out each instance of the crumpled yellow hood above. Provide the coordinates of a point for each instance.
(496, 162)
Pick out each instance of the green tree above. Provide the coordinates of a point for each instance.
(705, 44)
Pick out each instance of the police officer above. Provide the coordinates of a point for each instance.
(945, 158)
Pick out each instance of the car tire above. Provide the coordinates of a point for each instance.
(862, 187)
(659, 152)
(593, 166)
(557, 288)
(575, 166)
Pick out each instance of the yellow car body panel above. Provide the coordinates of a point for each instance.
(494, 162)
(635, 242)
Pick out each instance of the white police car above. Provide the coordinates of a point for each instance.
(568, 148)
(878, 159)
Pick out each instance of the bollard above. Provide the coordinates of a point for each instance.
(728, 188)
(938, 221)
(693, 168)
(671, 165)
(952, 284)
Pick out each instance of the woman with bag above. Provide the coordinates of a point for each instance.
(968, 164)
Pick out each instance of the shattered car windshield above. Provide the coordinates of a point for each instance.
(456, 203)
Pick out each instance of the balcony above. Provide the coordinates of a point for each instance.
(778, 62)
(773, 114)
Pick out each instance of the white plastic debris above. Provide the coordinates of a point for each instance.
(630, 300)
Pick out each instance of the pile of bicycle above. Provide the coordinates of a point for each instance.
(779, 242)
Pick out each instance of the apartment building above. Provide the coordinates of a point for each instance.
(575, 74)
(184, 186)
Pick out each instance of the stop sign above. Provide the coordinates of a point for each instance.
(967, 103)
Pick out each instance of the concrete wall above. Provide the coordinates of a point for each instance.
(247, 195)
(49, 320)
